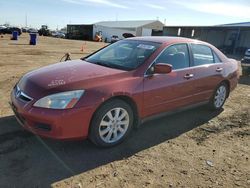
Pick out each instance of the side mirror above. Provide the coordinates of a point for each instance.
(162, 68)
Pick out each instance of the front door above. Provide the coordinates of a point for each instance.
(164, 92)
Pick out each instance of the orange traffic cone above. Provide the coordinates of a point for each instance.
(84, 47)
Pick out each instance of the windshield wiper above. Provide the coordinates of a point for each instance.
(101, 63)
(84, 59)
(104, 64)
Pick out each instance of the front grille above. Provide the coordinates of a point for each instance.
(21, 95)
(24, 98)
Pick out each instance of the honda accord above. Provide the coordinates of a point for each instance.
(104, 95)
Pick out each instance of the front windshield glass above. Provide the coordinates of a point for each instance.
(124, 55)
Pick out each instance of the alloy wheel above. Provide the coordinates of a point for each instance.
(114, 125)
(220, 96)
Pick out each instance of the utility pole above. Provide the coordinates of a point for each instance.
(116, 17)
(26, 20)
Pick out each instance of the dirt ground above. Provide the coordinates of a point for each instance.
(194, 148)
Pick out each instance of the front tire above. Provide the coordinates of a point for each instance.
(219, 97)
(111, 123)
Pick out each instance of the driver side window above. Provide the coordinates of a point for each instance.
(176, 55)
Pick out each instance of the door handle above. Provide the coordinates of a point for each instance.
(188, 76)
(219, 69)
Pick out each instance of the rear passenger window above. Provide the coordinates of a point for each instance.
(176, 55)
(202, 54)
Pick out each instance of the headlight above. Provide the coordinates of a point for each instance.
(62, 100)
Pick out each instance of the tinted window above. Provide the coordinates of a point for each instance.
(202, 54)
(125, 54)
(176, 55)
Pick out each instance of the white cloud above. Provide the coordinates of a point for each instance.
(97, 2)
(228, 8)
(155, 6)
(219, 8)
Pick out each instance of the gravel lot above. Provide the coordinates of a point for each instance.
(194, 148)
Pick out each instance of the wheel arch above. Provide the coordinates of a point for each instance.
(127, 99)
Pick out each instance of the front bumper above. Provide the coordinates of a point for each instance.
(57, 124)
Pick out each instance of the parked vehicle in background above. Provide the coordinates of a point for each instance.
(127, 35)
(114, 38)
(104, 95)
(58, 34)
(2, 27)
(245, 63)
(24, 29)
(32, 30)
(9, 30)
(44, 31)
(29, 30)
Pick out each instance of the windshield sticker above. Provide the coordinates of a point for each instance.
(146, 47)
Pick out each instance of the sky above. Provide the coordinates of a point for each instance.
(59, 13)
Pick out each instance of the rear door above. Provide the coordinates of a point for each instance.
(208, 71)
(164, 92)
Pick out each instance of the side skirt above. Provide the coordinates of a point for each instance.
(170, 112)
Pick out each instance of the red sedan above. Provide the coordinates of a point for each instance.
(105, 94)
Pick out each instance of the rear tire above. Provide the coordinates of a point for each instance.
(219, 97)
(111, 123)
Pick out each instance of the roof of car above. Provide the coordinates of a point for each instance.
(164, 39)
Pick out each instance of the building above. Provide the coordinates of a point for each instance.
(80, 31)
(109, 28)
(230, 38)
(137, 28)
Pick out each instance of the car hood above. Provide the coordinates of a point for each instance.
(70, 75)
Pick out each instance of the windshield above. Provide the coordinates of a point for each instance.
(125, 54)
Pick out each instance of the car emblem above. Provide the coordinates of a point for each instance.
(18, 92)
(21, 95)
